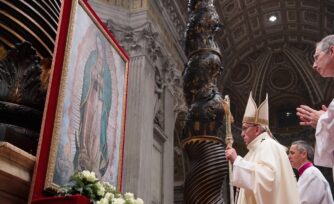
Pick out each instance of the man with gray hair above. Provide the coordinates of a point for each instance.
(322, 120)
(312, 185)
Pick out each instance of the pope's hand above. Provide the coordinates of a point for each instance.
(230, 153)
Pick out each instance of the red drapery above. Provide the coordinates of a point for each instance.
(72, 199)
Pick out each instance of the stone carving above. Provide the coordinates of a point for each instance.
(137, 41)
(144, 40)
(175, 17)
(159, 105)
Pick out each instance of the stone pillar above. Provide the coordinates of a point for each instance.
(148, 161)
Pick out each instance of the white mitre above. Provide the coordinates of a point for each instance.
(257, 115)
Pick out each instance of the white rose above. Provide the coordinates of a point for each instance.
(100, 189)
(128, 196)
(139, 201)
(109, 186)
(85, 173)
(103, 201)
(109, 196)
(119, 201)
(89, 176)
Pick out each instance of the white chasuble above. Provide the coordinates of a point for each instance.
(265, 175)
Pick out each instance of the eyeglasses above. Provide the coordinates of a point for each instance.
(244, 128)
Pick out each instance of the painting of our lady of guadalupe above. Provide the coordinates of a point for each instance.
(91, 105)
(91, 141)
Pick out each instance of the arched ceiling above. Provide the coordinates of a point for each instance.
(247, 27)
(274, 57)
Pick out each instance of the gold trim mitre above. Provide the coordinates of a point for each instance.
(256, 115)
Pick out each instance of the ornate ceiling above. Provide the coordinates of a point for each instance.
(274, 57)
(247, 27)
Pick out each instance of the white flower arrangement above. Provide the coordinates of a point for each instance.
(86, 183)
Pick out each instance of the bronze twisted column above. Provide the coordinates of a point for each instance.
(207, 174)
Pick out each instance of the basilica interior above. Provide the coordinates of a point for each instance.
(267, 47)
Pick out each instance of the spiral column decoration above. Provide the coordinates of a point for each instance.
(207, 173)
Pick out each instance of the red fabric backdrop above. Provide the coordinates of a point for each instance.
(73, 199)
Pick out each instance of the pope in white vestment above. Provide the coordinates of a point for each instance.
(264, 175)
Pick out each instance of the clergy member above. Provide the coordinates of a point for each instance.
(312, 185)
(322, 120)
(264, 175)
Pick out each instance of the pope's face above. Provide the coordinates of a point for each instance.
(324, 62)
(296, 157)
(249, 132)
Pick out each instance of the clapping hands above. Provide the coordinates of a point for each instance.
(309, 116)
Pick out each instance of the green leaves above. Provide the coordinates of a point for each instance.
(86, 184)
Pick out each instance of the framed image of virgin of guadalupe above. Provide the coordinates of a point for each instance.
(84, 119)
